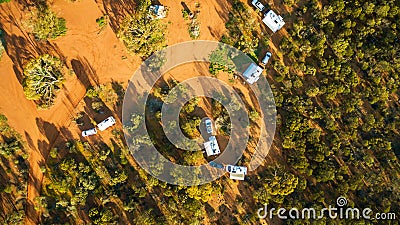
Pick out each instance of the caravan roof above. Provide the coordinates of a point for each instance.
(273, 21)
(235, 176)
(252, 73)
(211, 146)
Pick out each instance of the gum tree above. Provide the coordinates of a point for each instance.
(45, 24)
(43, 77)
(143, 35)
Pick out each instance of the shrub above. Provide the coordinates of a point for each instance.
(43, 77)
(105, 92)
(97, 106)
(242, 28)
(254, 116)
(185, 14)
(194, 29)
(102, 21)
(78, 118)
(45, 24)
(9, 148)
(142, 35)
(194, 26)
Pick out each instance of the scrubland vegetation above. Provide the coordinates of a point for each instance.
(43, 76)
(13, 174)
(141, 34)
(45, 24)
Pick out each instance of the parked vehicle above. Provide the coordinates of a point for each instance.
(106, 123)
(89, 132)
(266, 58)
(216, 165)
(258, 5)
(236, 172)
(208, 126)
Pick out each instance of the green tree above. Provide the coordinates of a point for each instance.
(43, 77)
(254, 115)
(135, 122)
(242, 28)
(324, 172)
(44, 24)
(190, 127)
(191, 105)
(221, 60)
(141, 34)
(278, 184)
(201, 192)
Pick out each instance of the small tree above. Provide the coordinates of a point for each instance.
(45, 24)
(221, 60)
(43, 77)
(141, 34)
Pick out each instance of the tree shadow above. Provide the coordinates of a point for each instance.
(65, 133)
(85, 72)
(120, 91)
(215, 33)
(117, 10)
(23, 47)
(92, 114)
(30, 212)
(227, 5)
(51, 133)
(20, 52)
(29, 140)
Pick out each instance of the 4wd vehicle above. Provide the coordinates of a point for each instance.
(89, 132)
(208, 126)
(258, 5)
(266, 58)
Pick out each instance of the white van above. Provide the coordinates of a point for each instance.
(89, 132)
(106, 123)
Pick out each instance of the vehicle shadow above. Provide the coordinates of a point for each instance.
(85, 72)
